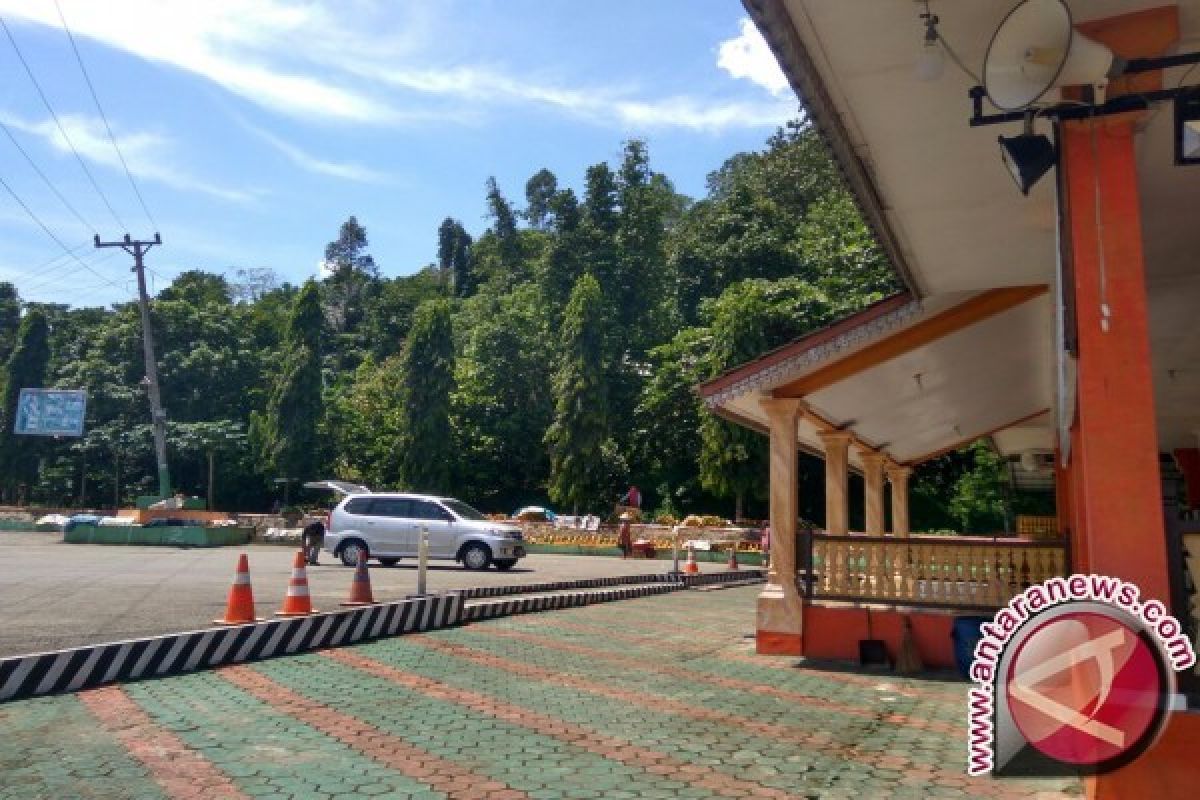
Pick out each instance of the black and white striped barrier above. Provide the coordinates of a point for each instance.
(83, 667)
(561, 586)
(709, 578)
(488, 609)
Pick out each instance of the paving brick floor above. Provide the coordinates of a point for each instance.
(660, 697)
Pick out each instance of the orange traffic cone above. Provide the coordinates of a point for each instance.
(732, 565)
(239, 608)
(690, 566)
(360, 586)
(297, 603)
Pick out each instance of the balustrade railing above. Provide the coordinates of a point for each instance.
(952, 572)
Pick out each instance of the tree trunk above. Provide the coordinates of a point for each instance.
(737, 506)
(83, 484)
(211, 459)
(116, 481)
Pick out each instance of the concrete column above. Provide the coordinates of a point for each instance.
(780, 609)
(898, 477)
(873, 483)
(837, 509)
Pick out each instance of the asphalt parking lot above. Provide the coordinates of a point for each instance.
(57, 595)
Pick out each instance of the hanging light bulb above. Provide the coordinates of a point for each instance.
(931, 62)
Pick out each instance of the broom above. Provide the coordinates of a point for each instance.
(908, 660)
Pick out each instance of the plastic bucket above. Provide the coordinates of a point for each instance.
(966, 635)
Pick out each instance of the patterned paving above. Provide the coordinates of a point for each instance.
(659, 697)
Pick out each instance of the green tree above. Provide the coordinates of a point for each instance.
(454, 256)
(289, 432)
(10, 319)
(583, 456)
(367, 422)
(502, 403)
(504, 228)
(539, 191)
(347, 293)
(561, 263)
(25, 369)
(427, 368)
(980, 499)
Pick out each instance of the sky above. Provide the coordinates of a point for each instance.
(253, 128)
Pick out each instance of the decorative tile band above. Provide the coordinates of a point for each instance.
(782, 371)
(93, 665)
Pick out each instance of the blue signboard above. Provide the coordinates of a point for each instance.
(51, 412)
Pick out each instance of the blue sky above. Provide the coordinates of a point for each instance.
(255, 127)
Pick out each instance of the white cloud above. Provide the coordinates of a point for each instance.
(148, 154)
(381, 63)
(336, 169)
(748, 57)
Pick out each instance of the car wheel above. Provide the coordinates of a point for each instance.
(350, 550)
(389, 562)
(505, 563)
(476, 556)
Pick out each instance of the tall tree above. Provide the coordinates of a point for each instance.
(352, 282)
(290, 431)
(502, 403)
(25, 369)
(427, 367)
(539, 191)
(583, 457)
(10, 319)
(504, 227)
(454, 256)
(561, 264)
(733, 458)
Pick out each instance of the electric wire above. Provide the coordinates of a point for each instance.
(52, 235)
(958, 62)
(49, 184)
(96, 99)
(57, 122)
(58, 278)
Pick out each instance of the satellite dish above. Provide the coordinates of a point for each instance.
(1036, 49)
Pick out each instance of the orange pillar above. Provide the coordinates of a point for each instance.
(1114, 456)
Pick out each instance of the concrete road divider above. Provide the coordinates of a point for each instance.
(84, 667)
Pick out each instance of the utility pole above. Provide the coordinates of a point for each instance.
(158, 417)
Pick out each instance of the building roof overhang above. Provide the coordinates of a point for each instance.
(940, 202)
(913, 379)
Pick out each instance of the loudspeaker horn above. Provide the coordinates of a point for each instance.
(1035, 50)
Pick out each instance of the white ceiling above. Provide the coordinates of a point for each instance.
(960, 222)
(957, 397)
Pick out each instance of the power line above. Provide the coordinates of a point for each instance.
(58, 278)
(104, 117)
(46, 270)
(46, 180)
(50, 233)
(61, 129)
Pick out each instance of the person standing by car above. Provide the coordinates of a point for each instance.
(313, 537)
(625, 537)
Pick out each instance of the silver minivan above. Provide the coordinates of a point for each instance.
(388, 527)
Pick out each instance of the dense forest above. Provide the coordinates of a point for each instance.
(550, 359)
